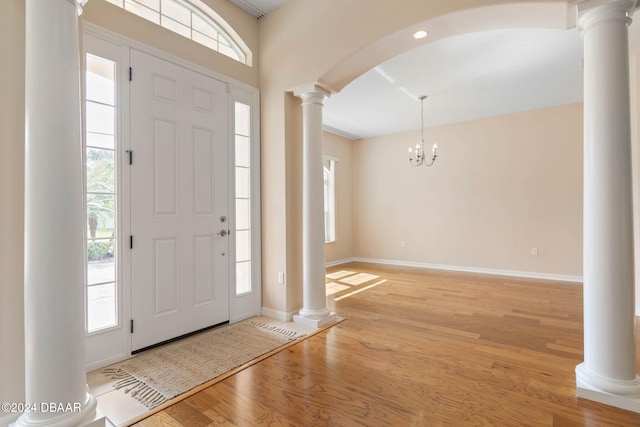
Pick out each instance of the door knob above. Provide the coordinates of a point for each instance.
(223, 233)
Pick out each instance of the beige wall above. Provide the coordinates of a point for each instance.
(127, 24)
(11, 202)
(293, 173)
(500, 187)
(340, 148)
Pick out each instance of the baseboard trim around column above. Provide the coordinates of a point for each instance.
(278, 314)
(498, 272)
(7, 420)
(628, 403)
(315, 323)
(628, 397)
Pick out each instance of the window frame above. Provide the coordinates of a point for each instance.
(247, 304)
(231, 39)
(249, 196)
(115, 239)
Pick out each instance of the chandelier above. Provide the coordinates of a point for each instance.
(420, 156)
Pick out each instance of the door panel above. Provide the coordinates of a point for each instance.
(179, 193)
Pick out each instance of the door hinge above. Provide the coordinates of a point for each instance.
(131, 325)
(130, 74)
(130, 153)
(130, 242)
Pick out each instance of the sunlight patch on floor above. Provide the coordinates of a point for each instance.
(341, 281)
(361, 290)
(359, 279)
(340, 274)
(333, 288)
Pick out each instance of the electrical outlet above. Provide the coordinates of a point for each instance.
(402, 245)
(281, 278)
(534, 251)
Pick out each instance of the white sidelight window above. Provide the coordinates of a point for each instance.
(100, 194)
(243, 192)
(329, 168)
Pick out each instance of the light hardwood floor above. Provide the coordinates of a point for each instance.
(422, 348)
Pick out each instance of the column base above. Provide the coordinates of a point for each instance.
(621, 394)
(314, 321)
(100, 420)
(87, 415)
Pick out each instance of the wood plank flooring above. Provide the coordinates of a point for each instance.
(421, 348)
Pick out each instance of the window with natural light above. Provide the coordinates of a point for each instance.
(190, 19)
(243, 197)
(100, 196)
(329, 199)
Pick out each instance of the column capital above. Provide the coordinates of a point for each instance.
(311, 92)
(595, 12)
(78, 4)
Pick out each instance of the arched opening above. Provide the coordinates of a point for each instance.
(550, 15)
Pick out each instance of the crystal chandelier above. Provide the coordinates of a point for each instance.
(420, 156)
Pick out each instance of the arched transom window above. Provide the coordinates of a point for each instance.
(193, 20)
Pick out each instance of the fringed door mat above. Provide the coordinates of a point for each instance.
(162, 373)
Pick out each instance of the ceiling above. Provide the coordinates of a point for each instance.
(467, 77)
(258, 8)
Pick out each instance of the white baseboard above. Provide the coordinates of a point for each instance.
(512, 273)
(278, 314)
(339, 262)
(108, 361)
(244, 316)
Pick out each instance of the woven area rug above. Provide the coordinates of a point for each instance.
(158, 375)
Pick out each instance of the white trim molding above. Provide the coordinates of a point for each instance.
(6, 420)
(278, 314)
(497, 272)
(340, 262)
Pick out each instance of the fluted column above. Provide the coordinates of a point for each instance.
(314, 310)
(54, 284)
(608, 373)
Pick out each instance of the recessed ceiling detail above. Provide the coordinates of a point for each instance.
(420, 34)
(467, 77)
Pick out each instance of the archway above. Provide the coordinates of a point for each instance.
(549, 15)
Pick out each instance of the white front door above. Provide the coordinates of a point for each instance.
(179, 201)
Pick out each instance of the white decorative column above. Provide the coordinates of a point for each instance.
(56, 389)
(608, 373)
(314, 310)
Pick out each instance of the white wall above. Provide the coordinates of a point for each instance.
(500, 187)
